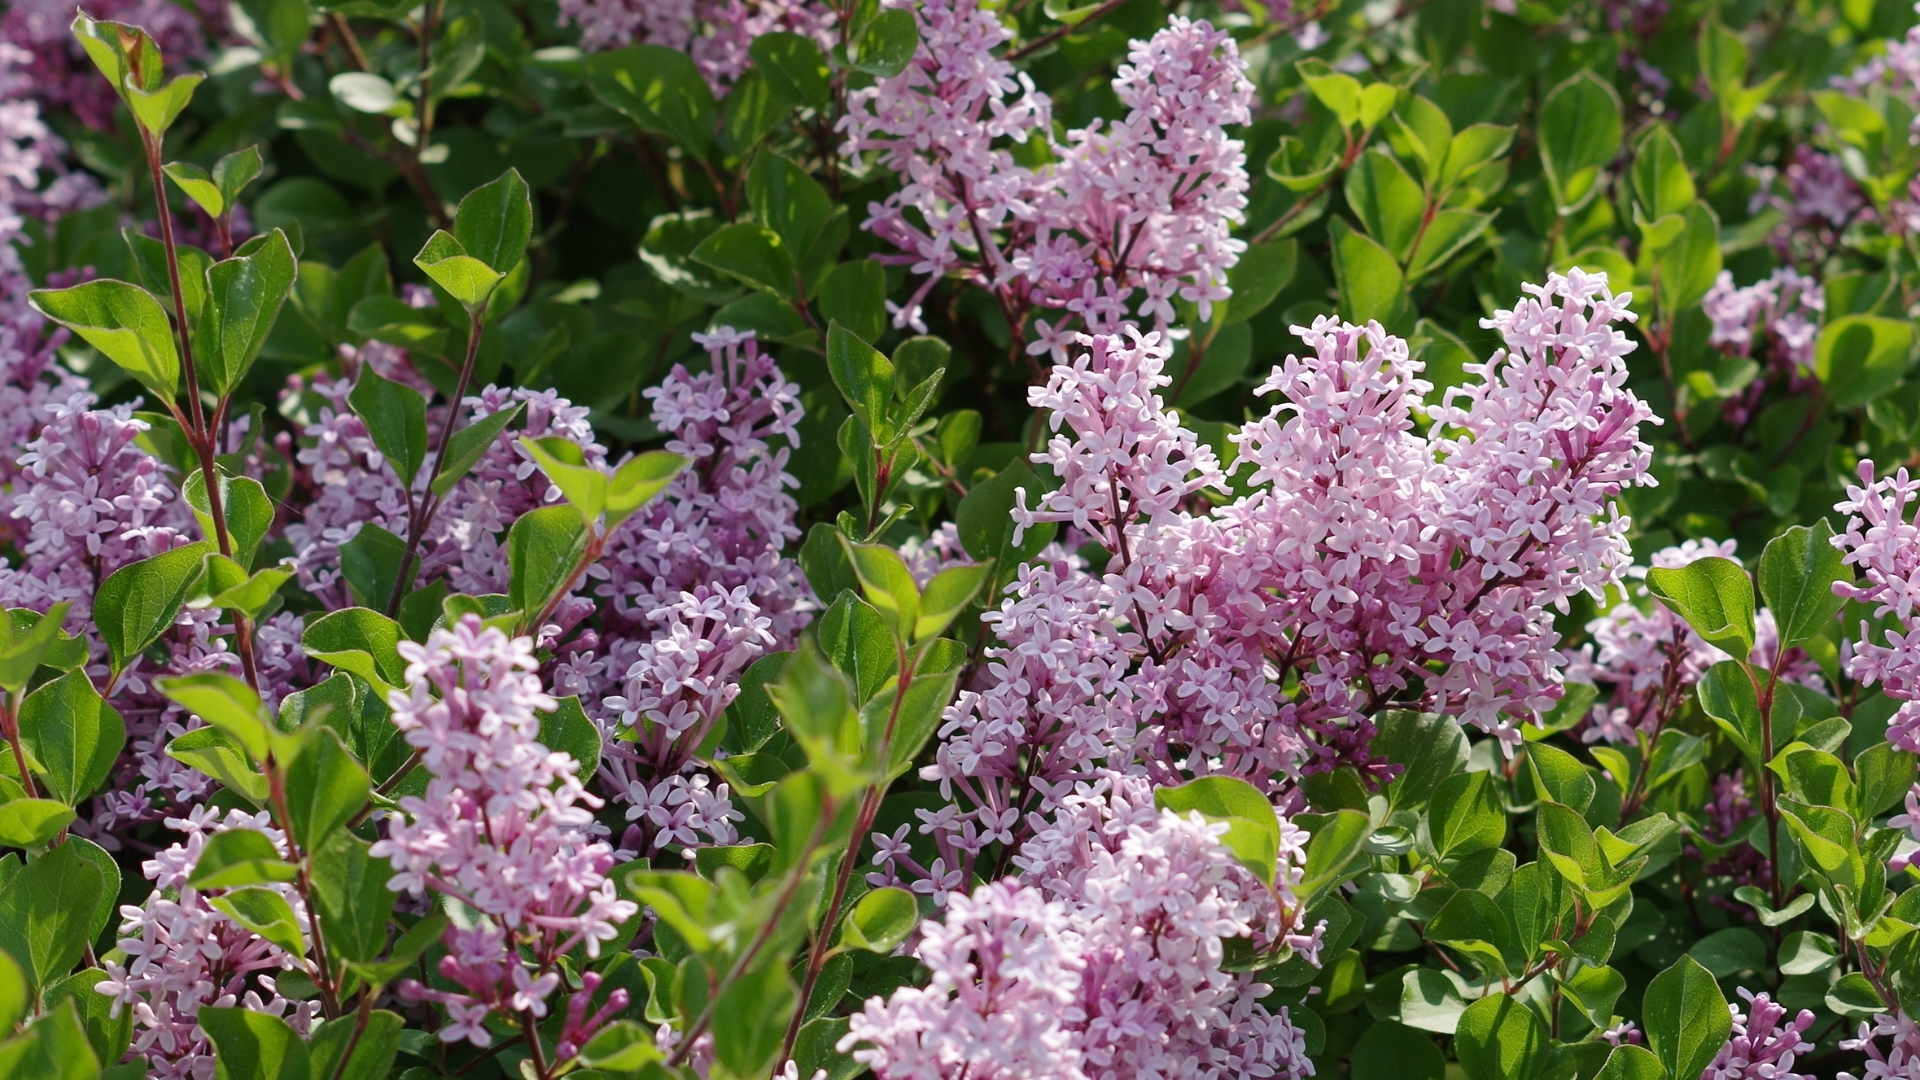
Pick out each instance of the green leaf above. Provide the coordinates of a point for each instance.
(46, 912)
(563, 462)
(1472, 148)
(1631, 1063)
(233, 172)
(469, 444)
(887, 584)
(1580, 130)
(371, 562)
(1715, 596)
(29, 638)
(750, 1018)
(16, 996)
(568, 730)
(886, 44)
(1421, 132)
(622, 1046)
(235, 858)
(854, 295)
(863, 375)
(210, 751)
(1500, 1039)
(794, 67)
(1684, 254)
(199, 185)
(110, 875)
(1885, 775)
(1723, 58)
(919, 714)
(1568, 843)
(814, 700)
(544, 549)
(1263, 270)
(1726, 953)
(156, 110)
(108, 1035)
(252, 1045)
(1368, 277)
(125, 323)
(495, 221)
(244, 295)
(752, 253)
(359, 641)
(226, 703)
(1685, 1018)
(54, 1047)
(251, 595)
(880, 920)
(1854, 997)
(351, 896)
(326, 788)
(1388, 201)
(373, 1053)
(1797, 572)
(1253, 830)
(139, 601)
(1447, 233)
(1858, 357)
(950, 591)
(72, 735)
(123, 53)
(1561, 777)
(32, 823)
(150, 268)
(1726, 695)
(1394, 1051)
(1337, 841)
(657, 88)
(388, 319)
(468, 280)
(987, 529)
(1464, 816)
(266, 913)
(635, 483)
(1339, 92)
(1661, 183)
(245, 504)
(787, 200)
(396, 419)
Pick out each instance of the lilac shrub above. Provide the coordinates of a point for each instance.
(951, 540)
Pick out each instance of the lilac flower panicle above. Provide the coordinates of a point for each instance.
(1882, 544)
(1100, 959)
(1891, 1042)
(1132, 216)
(183, 955)
(504, 827)
(1761, 1047)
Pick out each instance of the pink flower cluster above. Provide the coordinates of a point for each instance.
(1761, 1047)
(1776, 321)
(1259, 636)
(716, 33)
(183, 955)
(1882, 544)
(1129, 217)
(1898, 1059)
(504, 827)
(1649, 659)
(1100, 960)
(1819, 202)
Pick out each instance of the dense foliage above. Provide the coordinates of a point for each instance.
(959, 539)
